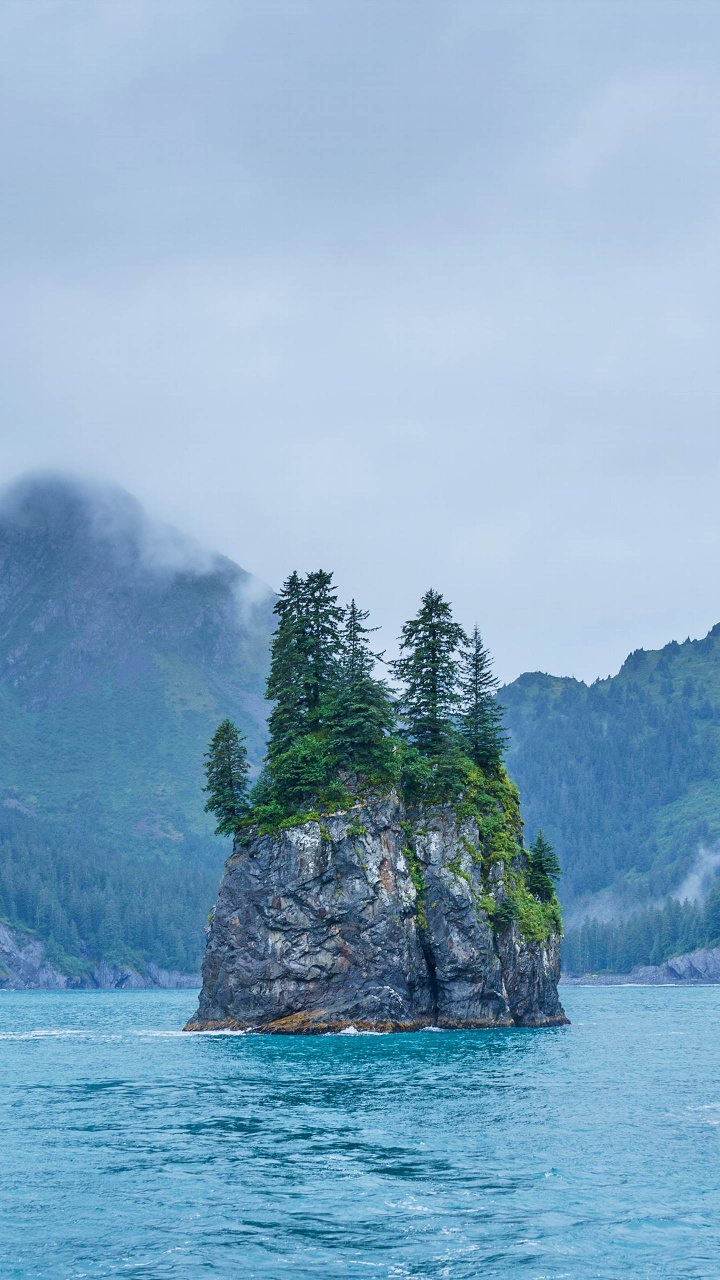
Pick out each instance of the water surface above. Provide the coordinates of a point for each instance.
(130, 1149)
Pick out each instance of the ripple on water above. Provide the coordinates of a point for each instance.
(134, 1149)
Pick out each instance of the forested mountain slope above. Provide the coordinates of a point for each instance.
(624, 776)
(121, 647)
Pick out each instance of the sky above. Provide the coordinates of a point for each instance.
(421, 291)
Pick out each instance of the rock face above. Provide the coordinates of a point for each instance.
(695, 968)
(359, 920)
(24, 966)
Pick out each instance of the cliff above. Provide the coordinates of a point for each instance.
(381, 919)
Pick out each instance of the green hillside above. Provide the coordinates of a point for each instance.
(624, 776)
(121, 647)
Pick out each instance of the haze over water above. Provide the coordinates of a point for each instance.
(130, 1149)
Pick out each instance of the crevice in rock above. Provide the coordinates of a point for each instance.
(431, 972)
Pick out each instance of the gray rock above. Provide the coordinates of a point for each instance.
(321, 927)
(695, 968)
(24, 966)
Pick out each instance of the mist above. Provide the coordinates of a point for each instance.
(112, 518)
(700, 879)
(423, 294)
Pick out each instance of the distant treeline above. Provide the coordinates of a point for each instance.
(622, 775)
(85, 903)
(651, 937)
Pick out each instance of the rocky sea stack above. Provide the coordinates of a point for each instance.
(382, 918)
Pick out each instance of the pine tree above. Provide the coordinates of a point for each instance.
(226, 771)
(323, 619)
(359, 709)
(304, 653)
(428, 667)
(543, 870)
(481, 715)
(287, 680)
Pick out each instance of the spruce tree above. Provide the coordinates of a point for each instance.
(428, 668)
(323, 616)
(304, 656)
(481, 715)
(543, 870)
(286, 685)
(226, 771)
(359, 709)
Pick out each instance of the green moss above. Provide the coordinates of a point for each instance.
(472, 850)
(485, 902)
(418, 879)
(455, 866)
(493, 803)
(537, 920)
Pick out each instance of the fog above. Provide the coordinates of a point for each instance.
(423, 293)
(103, 517)
(701, 877)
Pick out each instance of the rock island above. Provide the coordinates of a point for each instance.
(378, 878)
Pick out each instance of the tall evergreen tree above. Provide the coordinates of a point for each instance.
(304, 656)
(360, 711)
(286, 685)
(481, 715)
(323, 617)
(544, 868)
(226, 771)
(428, 667)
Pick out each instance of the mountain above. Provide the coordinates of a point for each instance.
(122, 644)
(624, 777)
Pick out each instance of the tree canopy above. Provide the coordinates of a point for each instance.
(481, 715)
(428, 668)
(338, 730)
(226, 771)
(360, 712)
(544, 868)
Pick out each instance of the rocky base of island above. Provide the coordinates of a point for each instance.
(379, 920)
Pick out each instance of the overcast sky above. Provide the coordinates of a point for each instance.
(419, 290)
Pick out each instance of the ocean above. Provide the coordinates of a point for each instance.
(130, 1149)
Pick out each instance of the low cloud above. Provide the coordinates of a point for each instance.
(700, 878)
(111, 516)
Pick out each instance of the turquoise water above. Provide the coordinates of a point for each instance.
(132, 1150)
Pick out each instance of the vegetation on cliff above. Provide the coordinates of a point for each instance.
(340, 735)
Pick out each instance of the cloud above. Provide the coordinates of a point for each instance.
(106, 515)
(700, 878)
(422, 293)
(629, 112)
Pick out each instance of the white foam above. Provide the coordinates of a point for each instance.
(43, 1033)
